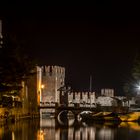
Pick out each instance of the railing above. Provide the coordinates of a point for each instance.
(47, 103)
(55, 105)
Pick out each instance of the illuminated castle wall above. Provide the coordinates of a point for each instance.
(82, 97)
(107, 92)
(42, 87)
(53, 77)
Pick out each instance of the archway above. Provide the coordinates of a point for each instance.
(66, 118)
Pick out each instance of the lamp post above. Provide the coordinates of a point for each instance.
(42, 87)
(90, 89)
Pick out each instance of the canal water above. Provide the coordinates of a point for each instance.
(50, 129)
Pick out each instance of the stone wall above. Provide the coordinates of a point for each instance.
(53, 77)
(107, 92)
(81, 97)
(106, 101)
(30, 93)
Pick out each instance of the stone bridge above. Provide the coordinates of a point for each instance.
(75, 102)
(75, 109)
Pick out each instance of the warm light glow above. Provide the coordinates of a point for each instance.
(42, 86)
(40, 135)
(138, 87)
(132, 125)
(13, 135)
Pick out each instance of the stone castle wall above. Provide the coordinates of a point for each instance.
(107, 92)
(81, 97)
(53, 77)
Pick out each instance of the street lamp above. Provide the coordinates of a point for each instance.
(42, 87)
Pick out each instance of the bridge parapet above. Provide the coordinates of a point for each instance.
(81, 97)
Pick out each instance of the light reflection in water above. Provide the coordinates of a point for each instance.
(40, 135)
(13, 135)
(131, 125)
(106, 134)
(49, 129)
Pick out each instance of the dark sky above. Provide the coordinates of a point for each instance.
(99, 40)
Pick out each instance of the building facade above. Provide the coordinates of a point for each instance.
(42, 87)
(53, 77)
(30, 93)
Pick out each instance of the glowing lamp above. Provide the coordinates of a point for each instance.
(138, 87)
(42, 86)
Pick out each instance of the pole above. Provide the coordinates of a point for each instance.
(90, 88)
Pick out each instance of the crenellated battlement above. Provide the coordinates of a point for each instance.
(107, 92)
(81, 97)
(82, 93)
(53, 77)
(53, 70)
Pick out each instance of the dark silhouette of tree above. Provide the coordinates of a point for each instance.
(136, 68)
(130, 87)
(15, 66)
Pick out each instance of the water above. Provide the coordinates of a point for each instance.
(50, 129)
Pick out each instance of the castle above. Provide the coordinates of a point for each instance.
(53, 77)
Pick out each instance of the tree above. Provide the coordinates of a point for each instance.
(136, 68)
(15, 66)
(134, 78)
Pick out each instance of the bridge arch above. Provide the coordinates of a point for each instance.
(65, 113)
(62, 114)
(63, 118)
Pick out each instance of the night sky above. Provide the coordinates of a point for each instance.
(99, 40)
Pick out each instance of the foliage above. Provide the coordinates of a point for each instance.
(15, 66)
(136, 68)
(130, 87)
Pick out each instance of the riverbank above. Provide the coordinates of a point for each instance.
(15, 114)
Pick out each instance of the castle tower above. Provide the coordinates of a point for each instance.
(53, 77)
(1, 37)
(31, 91)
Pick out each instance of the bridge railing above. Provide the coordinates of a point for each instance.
(77, 105)
(47, 103)
(82, 104)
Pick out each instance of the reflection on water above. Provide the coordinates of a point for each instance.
(23, 130)
(50, 129)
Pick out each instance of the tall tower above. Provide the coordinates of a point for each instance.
(1, 42)
(31, 91)
(53, 77)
